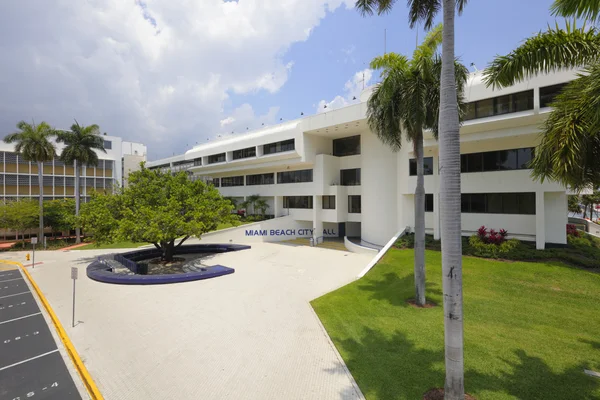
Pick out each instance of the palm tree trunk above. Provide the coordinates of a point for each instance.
(77, 230)
(450, 196)
(419, 224)
(41, 186)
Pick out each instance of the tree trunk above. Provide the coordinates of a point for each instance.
(77, 229)
(41, 186)
(450, 196)
(168, 249)
(419, 224)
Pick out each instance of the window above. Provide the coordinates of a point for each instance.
(244, 153)
(260, 179)
(328, 202)
(197, 162)
(348, 146)
(297, 202)
(549, 93)
(232, 181)
(354, 204)
(498, 203)
(107, 144)
(278, 147)
(350, 177)
(429, 202)
(427, 166)
(510, 103)
(501, 160)
(215, 182)
(305, 175)
(216, 158)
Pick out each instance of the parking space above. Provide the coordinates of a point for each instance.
(31, 365)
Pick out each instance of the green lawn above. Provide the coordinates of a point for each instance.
(530, 329)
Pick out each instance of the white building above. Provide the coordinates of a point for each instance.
(19, 178)
(333, 177)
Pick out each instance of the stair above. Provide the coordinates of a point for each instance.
(327, 244)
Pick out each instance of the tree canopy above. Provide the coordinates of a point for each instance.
(19, 215)
(157, 208)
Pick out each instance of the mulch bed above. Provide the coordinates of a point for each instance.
(438, 394)
(428, 304)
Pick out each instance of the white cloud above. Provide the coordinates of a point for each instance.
(352, 88)
(155, 71)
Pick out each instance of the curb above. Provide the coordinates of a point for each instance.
(81, 369)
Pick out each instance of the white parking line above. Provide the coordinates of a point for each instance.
(29, 359)
(11, 295)
(16, 319)
(8, 280)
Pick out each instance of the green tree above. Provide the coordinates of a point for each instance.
(589, 201)
(81, 144)
(20, 215)
(569, 151)
(408, 101)
(582, 9)
(33, 143)
(262, 205)
(251, 202)
(450, 193)
(60, 214)
(574, 204)
(157, 208)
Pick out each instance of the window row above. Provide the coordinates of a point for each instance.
(305, 175)
(260, 179)
(13, 158)
(244, 153)
(509, 103)
(350, 177)
(500, 160)
(427, 166)
(279, 147)
(328, 202)
(297, 202)
(56, 181)
(232, 181)
(216, 158)
(347, 146)
(498, 203)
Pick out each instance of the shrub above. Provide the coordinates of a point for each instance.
(494, 248)
(492, 236)
(572, 230)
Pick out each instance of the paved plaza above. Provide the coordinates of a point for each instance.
(248, 335)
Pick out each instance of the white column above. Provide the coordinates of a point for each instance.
(540, 221)
(436, 215)
(317, 221)
(277, 205)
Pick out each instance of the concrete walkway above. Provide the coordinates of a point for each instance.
(249, 335)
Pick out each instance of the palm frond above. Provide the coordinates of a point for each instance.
(369, 7)
(430, 44)
(582, 9)
(388, 62)
(546, 52)
(423, 11)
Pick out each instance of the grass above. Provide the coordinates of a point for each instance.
(530, 329)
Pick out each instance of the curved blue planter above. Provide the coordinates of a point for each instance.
(99, 271)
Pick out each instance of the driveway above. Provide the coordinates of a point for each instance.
(248, 335)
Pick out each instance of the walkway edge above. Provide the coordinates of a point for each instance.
(382, 252)
(81, 369)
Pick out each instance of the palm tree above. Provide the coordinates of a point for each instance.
(33, 143)
(80, 143)
(582, 9)
(262, 205)
(407, 100)
(251, 201)
(450, 195)
(569, 151)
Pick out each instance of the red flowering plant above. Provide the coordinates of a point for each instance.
(572, 230)
(492, 236)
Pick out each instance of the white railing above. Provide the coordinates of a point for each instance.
(382, 252)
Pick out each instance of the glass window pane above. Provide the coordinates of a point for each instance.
(465, 203)
(470, 111)
(478, 203)
(490, 161)
(523, 101)
(526, 203)
(429, 202)
(494, 203)
(428, 166)
(509, 203)
(485, 108)
(475, 162)
(346, 146)
(503, 104)
(507, 159)
(524, 157)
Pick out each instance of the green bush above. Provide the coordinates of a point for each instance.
(491, 250)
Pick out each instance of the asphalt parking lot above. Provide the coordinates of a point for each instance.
(31, 366)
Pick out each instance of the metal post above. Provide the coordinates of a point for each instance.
(73, 319)
(33, 263)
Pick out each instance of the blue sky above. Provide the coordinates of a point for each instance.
(172, 73)
(321, 67)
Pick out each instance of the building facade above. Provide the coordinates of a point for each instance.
(330, 173)
(19, 178)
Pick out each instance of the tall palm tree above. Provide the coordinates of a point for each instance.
(582, 9)
(408, 100)
(33, 143)
(569, 151)
(80, 143)
(426, 11)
